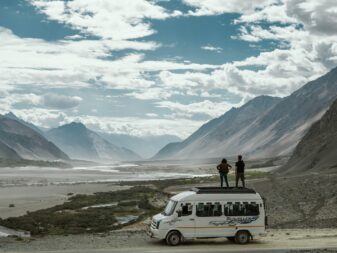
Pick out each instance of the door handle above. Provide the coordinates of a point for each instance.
(191, 219)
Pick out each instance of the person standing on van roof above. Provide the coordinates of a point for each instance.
(240, 171)
(223, 169)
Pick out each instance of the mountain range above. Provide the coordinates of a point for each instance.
(146, 146)
(79, 142)
(263, 127)
(23, 140)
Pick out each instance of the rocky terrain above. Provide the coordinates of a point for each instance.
(300, 201)
(317, 151)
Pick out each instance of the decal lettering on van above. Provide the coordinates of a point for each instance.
(232, 221)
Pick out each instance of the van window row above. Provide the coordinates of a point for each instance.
(209, 209)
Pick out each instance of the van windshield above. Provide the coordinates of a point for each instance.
(171, 205)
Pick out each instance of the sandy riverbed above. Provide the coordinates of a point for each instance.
(34, 188)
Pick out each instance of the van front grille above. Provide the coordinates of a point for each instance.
(153, 224)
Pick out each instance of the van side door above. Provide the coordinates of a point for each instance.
(186, 219)
(209, 217)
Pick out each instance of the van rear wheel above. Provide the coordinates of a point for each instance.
(242, 237)
(173, 238)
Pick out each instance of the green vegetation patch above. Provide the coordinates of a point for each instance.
(76, 216)
(24, 162)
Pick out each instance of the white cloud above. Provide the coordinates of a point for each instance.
(256, 33)
(116, 20)
(60, 101)
(319, 17)
(8, 100)
(152, 115)
(211, 48)
(304, 53)
(270, 13)
(216, 7)
(37, 62)
(206, 107)
(54, 101)
(137, 126)
(42, 117)
(154, 93)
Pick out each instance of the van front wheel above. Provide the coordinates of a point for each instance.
(242, 237)
(173, 238)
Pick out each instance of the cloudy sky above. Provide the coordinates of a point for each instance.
(156, 67)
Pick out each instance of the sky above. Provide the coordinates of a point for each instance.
(156, 67)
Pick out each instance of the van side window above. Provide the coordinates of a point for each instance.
(209, 209)
(241, 209)
(228, 209)
(186, 209)
(252, 209)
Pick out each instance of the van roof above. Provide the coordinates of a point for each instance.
(222, 190)
(217, 194)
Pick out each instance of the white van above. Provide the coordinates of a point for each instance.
(211, 212)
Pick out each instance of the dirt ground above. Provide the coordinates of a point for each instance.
(276, 238)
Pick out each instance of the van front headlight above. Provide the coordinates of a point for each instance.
(157, 225)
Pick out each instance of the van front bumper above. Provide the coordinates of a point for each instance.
(154, 233)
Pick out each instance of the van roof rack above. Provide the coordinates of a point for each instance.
(231, 190)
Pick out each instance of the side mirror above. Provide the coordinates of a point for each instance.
(179, 212)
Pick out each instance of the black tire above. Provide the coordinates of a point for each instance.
(173, 238)
(231, 238)
(242, 237)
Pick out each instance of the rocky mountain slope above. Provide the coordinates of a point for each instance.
(317, 150)
(8, 153)
(273, 131)
(28, 124)
(81, 143)
(20, 141)
(146, 146)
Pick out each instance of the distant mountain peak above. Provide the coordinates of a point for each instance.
(19, 140)
(82, 143)
(77, 124)
(74, 125)
(262, 99)
(11, 115)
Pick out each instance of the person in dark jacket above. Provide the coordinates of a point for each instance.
(240, 171)
(223, 169)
